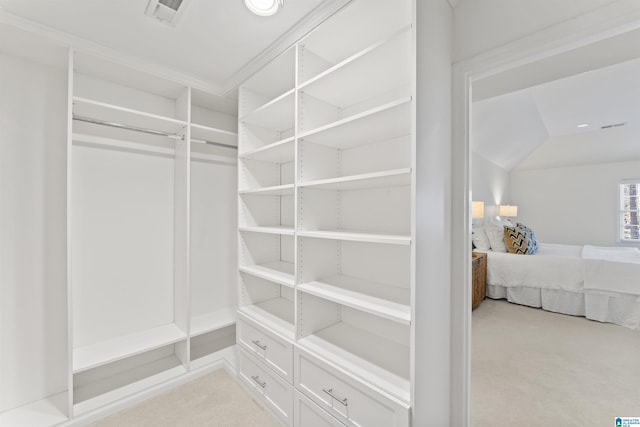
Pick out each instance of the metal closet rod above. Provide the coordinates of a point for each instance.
(148, 131)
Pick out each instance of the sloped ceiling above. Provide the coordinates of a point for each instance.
(212, 42)
(537, 127)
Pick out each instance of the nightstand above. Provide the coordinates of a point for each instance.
(479, 278)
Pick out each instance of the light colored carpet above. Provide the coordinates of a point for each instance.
(214, 400)
(535, 368)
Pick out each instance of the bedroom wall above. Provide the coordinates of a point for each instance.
(489, 183)
(572, 205)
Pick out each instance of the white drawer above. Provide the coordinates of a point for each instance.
(308, 414)
(344, 397)
(275, 351)
(274, 392)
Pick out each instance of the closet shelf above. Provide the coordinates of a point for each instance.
(382, 363)
(278, 152)
(276, 114)
(127, 116)
(384, 65)
(386, 121)
(212, 321)
(276, 190)
(45, 412)
(284, 231)
(370, 297)
(390, 178)
(278, 272)
(207, 133)
(357, 236)
(276, 314)
(109, 351)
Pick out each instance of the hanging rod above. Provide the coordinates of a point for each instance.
(148, 131)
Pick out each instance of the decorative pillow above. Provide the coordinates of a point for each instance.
(480, 239)
(519, 240)
(533, 239)
(495, 233)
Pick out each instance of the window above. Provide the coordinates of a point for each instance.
(629, 214)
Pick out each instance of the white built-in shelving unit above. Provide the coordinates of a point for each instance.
(325, 202)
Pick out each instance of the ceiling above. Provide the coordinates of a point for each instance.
(527, 118)
(215, 43)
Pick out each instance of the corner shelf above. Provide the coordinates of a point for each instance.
(212, 321)
(276, 314)
(207, 133)
(276, 190)
(105, 352)
(373, 298)
(278, 152)
(275, 114)
(283, 231)
(279, 272)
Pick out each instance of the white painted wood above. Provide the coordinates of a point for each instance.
(279, 272)
(277, 114)
(287, 231)
(348, 399)
(270, 389)
(272, 350)
(275, 314)
(276, 152)
(211, 321)
(307, 413)
(105, 352)
(45, 412)
(208, 133)
(277, 190)
(392, 178)
(357, 236)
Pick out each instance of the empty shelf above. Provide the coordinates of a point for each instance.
(277, 114)
(105, 352)
(285, 231)
(278, 152)
(207, 133)
(356, 236)
(391, 178)
(212, 321)
(276, 314)
(276, 190)
(370, 297)
(46, 412)
(279, 272)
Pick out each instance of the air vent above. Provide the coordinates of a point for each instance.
(615, 125)
(167, 11)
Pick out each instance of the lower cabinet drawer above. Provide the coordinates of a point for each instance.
(347, 399)
(308, 414)
(276, 352)
(274, 392)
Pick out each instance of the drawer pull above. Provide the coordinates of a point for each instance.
(262, 346)
(257, 380)
(341, 400)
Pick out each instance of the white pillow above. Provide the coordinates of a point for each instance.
(495, 232)
(479, 238)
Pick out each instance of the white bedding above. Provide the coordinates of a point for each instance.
(612, 269)
(554, 266)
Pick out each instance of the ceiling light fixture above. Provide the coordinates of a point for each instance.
(583, 125)
(264, 7)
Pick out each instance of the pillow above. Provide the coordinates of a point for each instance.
(533, 239)
(495, 233)
(480, 239)
(520, 240)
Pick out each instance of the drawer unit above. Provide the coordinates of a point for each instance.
(276, 352)
(350, 401)
(275, 393)
(308, 414)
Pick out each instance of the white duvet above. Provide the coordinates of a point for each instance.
(612, 269)
(554, 266)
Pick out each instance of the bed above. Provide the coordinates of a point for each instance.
(599, 283)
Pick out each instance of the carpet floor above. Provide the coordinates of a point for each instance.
(536, 368)
(214, 400)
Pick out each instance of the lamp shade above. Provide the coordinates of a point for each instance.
(508, 210)
(477, 209)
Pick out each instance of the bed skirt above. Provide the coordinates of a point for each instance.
(621, 309)
(556, 300)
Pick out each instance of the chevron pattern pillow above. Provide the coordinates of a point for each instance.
(520, 240)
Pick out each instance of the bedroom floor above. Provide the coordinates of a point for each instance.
(531, 367)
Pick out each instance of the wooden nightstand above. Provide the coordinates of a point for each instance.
(479, 278)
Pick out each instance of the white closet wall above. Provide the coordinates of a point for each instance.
(33, 332)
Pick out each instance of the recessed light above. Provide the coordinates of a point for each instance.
(264, 7)
(583, 125)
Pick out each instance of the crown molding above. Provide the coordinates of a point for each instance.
(282, 43)
(85, 46)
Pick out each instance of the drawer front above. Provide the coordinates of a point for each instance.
(350, 401)
(308, 414)
(274, 392)
(276, 352)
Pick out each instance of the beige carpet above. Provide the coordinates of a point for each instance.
(535, 368)
(215, 400)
